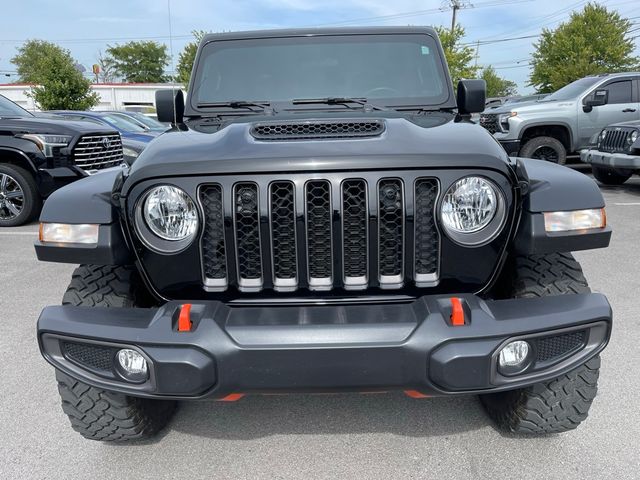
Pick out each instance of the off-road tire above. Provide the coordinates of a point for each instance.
(560, 404)
(95, 413)
(32, 201)
(609, 176)
(530, 149)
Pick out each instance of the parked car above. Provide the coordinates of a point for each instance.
(128, 128)
(38, 156)
(616, 155)
(526, 98)
(149, 123)
(565, 121)
(324, 217)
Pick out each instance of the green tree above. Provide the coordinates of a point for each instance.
(459, 57)
(60, 86)
(140, 62)
(593, 41)
(187, 57)
(496, 85)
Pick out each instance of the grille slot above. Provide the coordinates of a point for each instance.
(317, 130)
(247, 232)
(554, 347)
(355, 237)
(283, 235)
(93, 357)
(319, 234)
(390, 233)
(490, 122)
(97, 152)
(426, 240)
(615, 140)
(214, 259)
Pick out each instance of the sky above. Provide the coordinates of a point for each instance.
(86, 27)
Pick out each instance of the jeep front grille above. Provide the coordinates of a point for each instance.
(97, 152)
(615, 140)
(320, 234)
(490, 122)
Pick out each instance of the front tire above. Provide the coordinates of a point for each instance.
(545, 148)
(20, 201)
(556, 405)
(95, 413)
(609, 176)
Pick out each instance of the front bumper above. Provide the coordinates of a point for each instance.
(613, 160)
(411, 346)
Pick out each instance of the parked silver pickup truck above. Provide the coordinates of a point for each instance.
(568, 120)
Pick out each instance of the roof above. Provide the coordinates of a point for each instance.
(310, 32)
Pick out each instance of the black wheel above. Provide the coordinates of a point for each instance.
(610, 176)
(100, 414)
(19, 197)
(560, 404)
(545, 148)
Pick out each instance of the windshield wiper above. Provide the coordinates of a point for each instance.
(337, 101)
(235, 104)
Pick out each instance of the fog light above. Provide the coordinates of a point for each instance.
(132, 365)
(514, 357)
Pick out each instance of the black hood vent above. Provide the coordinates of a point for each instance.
(317, 130)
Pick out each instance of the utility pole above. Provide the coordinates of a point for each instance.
(454, 5)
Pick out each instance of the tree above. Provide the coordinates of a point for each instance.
(458, 56)
(140, 62)
(187, 57)
(496, 85)
(593, 41)
(60, 85)
(107, 68)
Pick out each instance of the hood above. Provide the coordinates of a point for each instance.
(534, 107)
(51, 126)
(419, 141)
(140, 137)
(630, 123)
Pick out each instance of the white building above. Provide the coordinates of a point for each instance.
(137, 97)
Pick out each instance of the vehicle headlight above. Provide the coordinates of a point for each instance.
(503, 119)
(473, 211)
(633, 136)
(130, 153)
(167, 218)
(46, 143)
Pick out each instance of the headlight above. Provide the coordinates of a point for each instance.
(473, 211)
(632, 137)
(503, 119)
(130, 153)
(47, 143)
(167, 219)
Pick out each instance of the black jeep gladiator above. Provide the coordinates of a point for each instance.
(323, 216)
(38, 156)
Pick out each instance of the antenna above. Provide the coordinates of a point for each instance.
(454, 5)
(173, 67)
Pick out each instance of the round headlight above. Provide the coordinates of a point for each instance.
(633, 137)
(603, 134)
(170, 213)
(472, 211)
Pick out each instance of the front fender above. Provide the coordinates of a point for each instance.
(553, 188)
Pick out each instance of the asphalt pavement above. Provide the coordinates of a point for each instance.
(379, 436)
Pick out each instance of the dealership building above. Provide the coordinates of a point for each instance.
(138, 97)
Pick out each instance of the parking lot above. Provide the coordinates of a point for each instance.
(322, 436)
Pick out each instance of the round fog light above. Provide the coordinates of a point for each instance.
(132, 365)
(514, 357)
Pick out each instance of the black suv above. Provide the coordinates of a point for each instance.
(324, 216)
(38, 155)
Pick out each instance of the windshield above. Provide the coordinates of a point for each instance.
(123, 123)
(147, 121)
(573, 90)
(10, 109)
(386, 69)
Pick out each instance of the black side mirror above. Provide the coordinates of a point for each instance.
(600, 97)
(170, 106)
(471, 96)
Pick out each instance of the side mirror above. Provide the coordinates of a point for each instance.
(471, 96)
(170, 106)
(600, 97)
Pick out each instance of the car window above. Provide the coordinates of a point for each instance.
(619, 92)
(10, 109)
(124, 124)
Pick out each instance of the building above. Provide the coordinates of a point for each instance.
(136, 97)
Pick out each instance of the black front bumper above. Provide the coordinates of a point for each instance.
(410, 346)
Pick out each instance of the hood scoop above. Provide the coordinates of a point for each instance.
(317, 130)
